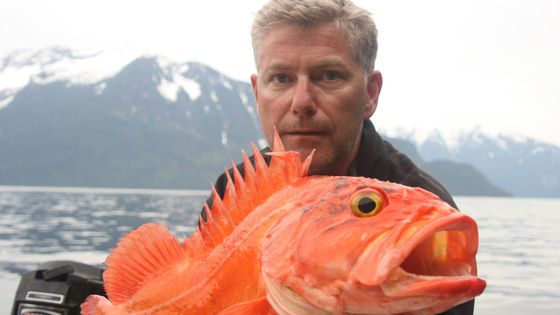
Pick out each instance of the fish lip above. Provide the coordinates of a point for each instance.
(390, 259)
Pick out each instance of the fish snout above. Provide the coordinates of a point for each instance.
(443, 248)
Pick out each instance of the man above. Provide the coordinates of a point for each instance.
(317, 85)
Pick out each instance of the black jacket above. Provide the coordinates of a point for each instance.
(377, 158)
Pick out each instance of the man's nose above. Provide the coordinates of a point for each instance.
(303, 102)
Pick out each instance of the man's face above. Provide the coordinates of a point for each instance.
(317, 96)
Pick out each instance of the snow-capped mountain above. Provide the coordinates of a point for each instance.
(520, 165)
(22, 67)
(108, 119)
(149, 122)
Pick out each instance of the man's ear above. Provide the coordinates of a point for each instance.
(374, 84)
(254, 85)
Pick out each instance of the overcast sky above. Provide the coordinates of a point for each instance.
(446, 64)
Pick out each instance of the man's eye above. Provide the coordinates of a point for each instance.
(331, 75)
(280, 78)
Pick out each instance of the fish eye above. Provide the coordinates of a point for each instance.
(366, 203)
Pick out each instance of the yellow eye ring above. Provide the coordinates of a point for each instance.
(366, 203)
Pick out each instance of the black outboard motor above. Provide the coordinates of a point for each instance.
(57, 288)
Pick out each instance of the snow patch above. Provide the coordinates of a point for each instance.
(502, 143)
(452, 138)
(518, 138)
(175, 73)
(183, 68)
(15, 78)
(84, 71)
(214, 97)
(190, 86)
(226, 83)
(164, 64)
(170, 89)
(100, 88)
(419, 136)
(244, 98)
(224, 138)
(245, 101)
(52, 65)
(6, 101)
(534, 151)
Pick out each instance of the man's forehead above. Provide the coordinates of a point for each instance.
(287, 63)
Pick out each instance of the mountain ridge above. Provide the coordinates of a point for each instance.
(125, 134)
(521, 165)
(153, 122)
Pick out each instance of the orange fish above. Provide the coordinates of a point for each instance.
(280, 242)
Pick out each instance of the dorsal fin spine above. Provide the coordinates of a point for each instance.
(205, 234)
(306, 164)
(250, 180)
(230, 200)
(213, 222)
(277, 145)
(218, 219)
(241, 188)
(194, 245)
(288, 166)
(262, 176)
(218, 209)
(221, 214)
(218, 205)
(245, 192)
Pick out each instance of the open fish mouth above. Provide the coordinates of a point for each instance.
(436, 259)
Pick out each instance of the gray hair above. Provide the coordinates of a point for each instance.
(352, 20)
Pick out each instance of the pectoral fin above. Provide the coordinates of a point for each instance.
(254, 307)
(138, 256)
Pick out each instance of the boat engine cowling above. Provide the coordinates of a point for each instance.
(57, 288)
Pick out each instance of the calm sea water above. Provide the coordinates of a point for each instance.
(519, 252)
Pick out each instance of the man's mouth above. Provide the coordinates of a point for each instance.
(305, 133)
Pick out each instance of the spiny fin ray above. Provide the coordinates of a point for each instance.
(138, 257)
(244, 193)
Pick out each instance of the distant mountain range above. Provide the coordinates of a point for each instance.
(73, 120)
(153, 124)
(522, 166)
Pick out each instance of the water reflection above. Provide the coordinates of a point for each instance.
(51, 222)
(518, 252)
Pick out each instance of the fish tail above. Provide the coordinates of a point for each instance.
(97, 305)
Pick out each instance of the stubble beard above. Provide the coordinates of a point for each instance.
(338, 158)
